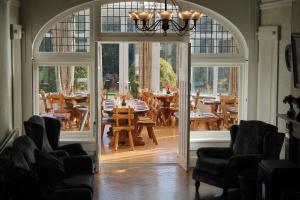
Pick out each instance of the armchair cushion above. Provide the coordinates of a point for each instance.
(272, 145)
(73, 149)
(215, 166)
(215, 152)
(245, 161)
(78, 165)
(35, 127)
(250, 135)
(27, 146)
(78, 181)
(50, 169)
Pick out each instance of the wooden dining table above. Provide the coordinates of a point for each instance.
(140, 109)
(166, 100)
(202, 117)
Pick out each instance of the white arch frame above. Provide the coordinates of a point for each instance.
(240, 59)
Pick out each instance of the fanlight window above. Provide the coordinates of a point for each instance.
(209, 37)
(71, 34)
(114, 17)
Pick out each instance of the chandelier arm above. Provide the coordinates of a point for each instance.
(178, 26)
(144, 27)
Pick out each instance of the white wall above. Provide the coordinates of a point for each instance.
(8, 14)
(35, 13)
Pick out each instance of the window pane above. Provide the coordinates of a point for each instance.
(64, 94)
(168, 64)
(110, 64)
(133, 71)
(71, 34)
(223, 79)
(211, 37)
(122, 22)
(202, 79)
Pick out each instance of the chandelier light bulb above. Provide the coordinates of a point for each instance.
(165, 14)
(197, 15)
(165, 21)
(144, 15)
(185, 15)
(133, 15)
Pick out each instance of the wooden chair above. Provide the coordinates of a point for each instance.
(197, 99)
(148, 122)
(58, 107)
(43, 102)
(227, 117)
(105, 120)
(123, 118)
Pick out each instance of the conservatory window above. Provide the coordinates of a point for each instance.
(213, 80)
(71, 34)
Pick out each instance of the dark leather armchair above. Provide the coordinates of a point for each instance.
(21, 177)
(251, 141)
(45, 132)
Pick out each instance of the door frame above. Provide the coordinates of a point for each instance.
(184, 163)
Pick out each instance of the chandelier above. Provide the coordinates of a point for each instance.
(143, 20)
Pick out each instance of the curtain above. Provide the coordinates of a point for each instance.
(145, 52)
(233, 90)
(62, 41)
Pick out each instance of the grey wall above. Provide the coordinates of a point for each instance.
(35, 13)
(8, 14)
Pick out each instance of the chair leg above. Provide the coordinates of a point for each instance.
(116, 140)
(197, 185)
(131, 140)
(151, 133)
(102, 130)
(140, 130)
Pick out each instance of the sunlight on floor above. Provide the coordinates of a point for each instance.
(165, 152)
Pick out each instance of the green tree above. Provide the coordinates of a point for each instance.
(133, 83)
(81, 78)
(167, 74)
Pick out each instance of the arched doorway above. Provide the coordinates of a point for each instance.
(72, 53)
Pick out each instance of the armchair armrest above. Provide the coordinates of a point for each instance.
(290, 195)
(215, 152)
(59, 153)
(249, 161)
(74, 194)
(78, 165)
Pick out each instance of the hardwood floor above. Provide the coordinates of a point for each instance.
(165, 152)
(150, 182)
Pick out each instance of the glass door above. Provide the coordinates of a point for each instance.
(110, 68)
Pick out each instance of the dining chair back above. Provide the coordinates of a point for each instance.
(228, 117)
(123, 118)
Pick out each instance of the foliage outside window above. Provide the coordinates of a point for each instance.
(167, 74)
(63, 79)
(214, 80)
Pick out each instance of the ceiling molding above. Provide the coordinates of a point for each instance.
(275, 4)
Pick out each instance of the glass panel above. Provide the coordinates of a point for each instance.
(64, 94)
(120, 21)
(202, 79)
(223, 79)
(133, 71)
(212, 37)
(71, 34)
(168, 65)
(110, 64)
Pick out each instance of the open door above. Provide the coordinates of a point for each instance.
(98, 101)
(184, 104)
